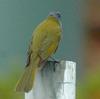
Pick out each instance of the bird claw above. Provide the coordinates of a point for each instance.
(55, 62)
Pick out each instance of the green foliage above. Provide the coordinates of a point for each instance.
(8, 83)
(89, 88)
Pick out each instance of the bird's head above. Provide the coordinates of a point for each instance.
(55, 14)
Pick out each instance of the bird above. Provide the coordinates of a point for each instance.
(44, 43)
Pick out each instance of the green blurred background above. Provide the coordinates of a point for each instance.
(18, 18)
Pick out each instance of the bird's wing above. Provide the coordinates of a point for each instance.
(49, 46)
(45, 42)
(30, 52)
(59, 38)
(29, 56)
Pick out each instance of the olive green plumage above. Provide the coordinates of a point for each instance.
(45, 40)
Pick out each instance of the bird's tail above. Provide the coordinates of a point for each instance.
(26, 82)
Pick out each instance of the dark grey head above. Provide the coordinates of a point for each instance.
(55, 14)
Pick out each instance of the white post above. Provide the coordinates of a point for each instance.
(55, 84)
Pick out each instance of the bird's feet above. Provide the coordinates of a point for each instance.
(55, 64)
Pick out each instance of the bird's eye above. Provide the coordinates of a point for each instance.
(58, 15)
